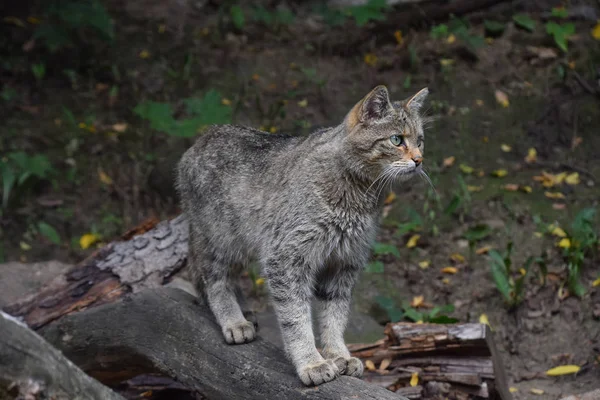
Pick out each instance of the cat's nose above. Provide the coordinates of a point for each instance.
(418, 160)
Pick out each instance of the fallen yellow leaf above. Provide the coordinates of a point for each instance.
(483, 319)
(525, 189)
(225, 101)
(303, 103)
(531, 155)
(572, 179)
(472, 188)
(398, 36)
(479, 102)
(558, 231)
(120, 127)
(417, 301)
(104, 178)
(563, 370)
(370, 59)
(505, 148)
(564, 243)
(273, 129)
(502, 98)
(449, 161)
(446, 281)
(162, 28)
(596, 31)
(483, 250)
(451, 39)
(144, 54)
(260, 281)
(445, 62)
(457, 257)
(538, 234)
(511, 187)
(385, 363)
(522, 271)
(513, 389)
(424, 264)
(24, 246)
(466, 169)
(412, 242)
(85, 241)
(390, 198)
(414, 379)
(500, 173)
(554, 195)
(536, 391)
(370, 366)
(596, 283)
(450, 270)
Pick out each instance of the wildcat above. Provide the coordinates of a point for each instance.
(308, 209)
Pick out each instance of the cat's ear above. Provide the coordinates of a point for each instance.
(415, 103)
(376, 105)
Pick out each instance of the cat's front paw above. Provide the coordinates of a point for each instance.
(318, 373)
(350, 366)
(238, 333)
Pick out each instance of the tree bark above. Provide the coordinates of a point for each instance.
(165, 331)
(34, 369)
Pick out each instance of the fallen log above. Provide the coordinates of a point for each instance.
(457, 361)
(145, 257)
(30, 368)
(165, 331)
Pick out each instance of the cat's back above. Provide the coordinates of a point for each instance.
(230, 154)
(231, 143)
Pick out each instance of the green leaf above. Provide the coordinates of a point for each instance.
(478, 232)
(237, 16)
(385, 249)
(375, 267)
(413, 314)
(443, 319)
(525, 22)
(453, 205)
(493, 27)
(209, 108)
(389, 306)
(49, 232)
(158, 114)
(372, 11)
(8, 181)
(560, 12)
(501, 279)
(561, 33)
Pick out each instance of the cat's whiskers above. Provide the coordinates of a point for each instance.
(423, 174)
(381, 176)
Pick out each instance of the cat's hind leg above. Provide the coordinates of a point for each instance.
(218, 276)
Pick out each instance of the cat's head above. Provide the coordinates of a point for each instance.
(387, 137)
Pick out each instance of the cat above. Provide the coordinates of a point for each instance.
(308, 209)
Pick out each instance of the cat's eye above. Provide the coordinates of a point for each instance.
(419, 142)
(396, 140)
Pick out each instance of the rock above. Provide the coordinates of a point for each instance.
(18, 280)
(362, 328)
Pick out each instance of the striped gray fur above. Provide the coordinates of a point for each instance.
(307, 208)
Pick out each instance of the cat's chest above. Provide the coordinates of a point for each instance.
(351, 237)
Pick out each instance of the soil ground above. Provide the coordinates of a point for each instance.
(296, 78)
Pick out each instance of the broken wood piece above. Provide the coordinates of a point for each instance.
(166, 331)
(30, 368)
(458, 358)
